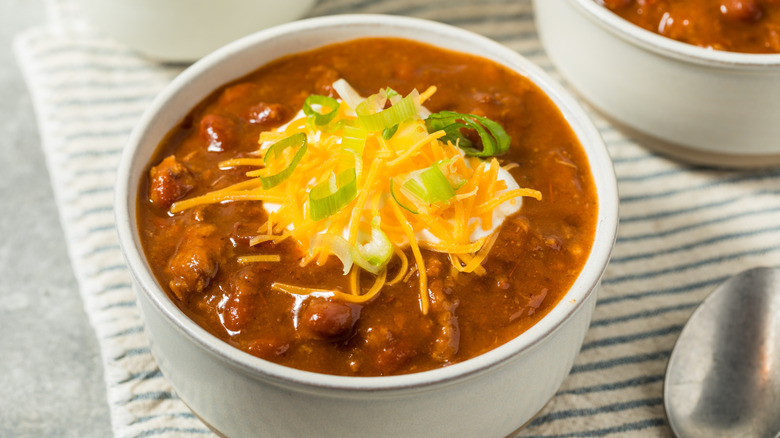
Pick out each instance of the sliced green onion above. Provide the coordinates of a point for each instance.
(495, 140)
(354, 139)
(456, 180)
(347, 93)
(329, 197)
(378, 121)
(374, 254)
(352, 143)
(320, 118)
(372, 104)
(333, 127)
(388, 133)
(395, 198)
(337, 245)
(430, 185)
(275, 152)
(390, 93)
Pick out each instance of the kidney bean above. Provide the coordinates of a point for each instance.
(741, 10)
(327, 319)
(218, 132)
(266, 114)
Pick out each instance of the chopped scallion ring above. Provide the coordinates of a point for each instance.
(374, 254)
(495, 140)
(388, 133)
(330, 196)
(455, 179)
(320, 118)
(352, 144)
(430, 185)
(337, 246)
(390, 93)
(275, 151)
(381, 120)
(395, 198)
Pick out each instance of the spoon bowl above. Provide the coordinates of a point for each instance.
(723, 376)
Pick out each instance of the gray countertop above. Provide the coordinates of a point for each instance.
(51, 377)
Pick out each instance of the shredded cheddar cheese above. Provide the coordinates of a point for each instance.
(260, 258)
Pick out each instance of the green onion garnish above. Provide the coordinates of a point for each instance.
(378, 121)
(430, 185)
(329, 197)
(371, 256)
(388, 133)
(337, 246)
(275, 152)
(390, 93)
(353, 142)
(376, 252)
(395, 198)
(320, 118)
(495, 140)
(455, 179)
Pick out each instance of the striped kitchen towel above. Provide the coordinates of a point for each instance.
(683, 229)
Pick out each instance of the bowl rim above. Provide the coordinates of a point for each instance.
(668, 47)
(583, 288)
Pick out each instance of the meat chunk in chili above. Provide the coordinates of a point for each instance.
(324, 77)
(447, 332)
(170, 181)
(239, 308)
(269, 346)
(389, 351)
(195, 262)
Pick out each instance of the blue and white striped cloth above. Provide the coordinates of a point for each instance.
(683, 229)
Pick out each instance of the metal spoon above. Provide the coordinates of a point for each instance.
(723, 377)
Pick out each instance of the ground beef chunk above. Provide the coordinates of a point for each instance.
(445, 344)
(170, 181)
(245, 295)
(195, 262)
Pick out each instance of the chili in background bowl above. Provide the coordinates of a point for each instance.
(696, 104)
(238, 394)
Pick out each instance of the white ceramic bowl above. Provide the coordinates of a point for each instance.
(700, 105)
(240, 395)
(185, 30)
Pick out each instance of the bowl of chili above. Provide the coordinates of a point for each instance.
(692, 79)
(212, 253)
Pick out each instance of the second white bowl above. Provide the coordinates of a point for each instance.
(700, 105)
